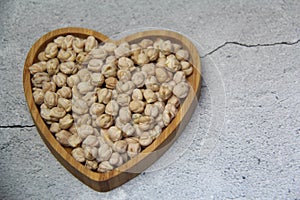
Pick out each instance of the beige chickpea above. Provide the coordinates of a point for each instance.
(128, 130)
(167, 47)
(51, 50)
(104, 167)
(84, 75)
(84, 87)
(186, 68)
(133, 149)
(38, 67)
(165, 92)
(91, 141)
(138, 78)
(60, 79)
(104, 95)
(99, 53)
(38, 96)
(73, 129)
(174, 100)
(121, 51)
(48, 86)
(104, 121)
(39, 78)
(66, 122)
(57, 112)
(67, 41)
(88, 154)
(166, 117)
(97, 79)
(42, 56)
(158, 43)
(145, 139)
(66, 55)
(152, 53)
(182, 55)
(59, 40)
(115, 159)
(151, 110)
(68, 68)
(52, 66)
(146, 123)
(172, 63)
(111, 59)
(111, 82)
(85, 130)
(65, 104)
(119, 123)
(152, 83)
(120, 146)
(181, 90)
(160, 105)
(176, 47)
(82, 57)
(78, 44)
(125, 88)
(73, 80)
(142, 59)
(90, 98)
(90, 43)
(161, 62)
(137, 95)
(136, 106)
(155, 132)
(45, 113)
(125, 63)
(109, 47)
(104, 153)
(124, 115)
(82, 119)
(135, 48)
(171, 109)
(112, 108)
(179, 77)
(78, 154)
(123, 100)
(95, 65)
(54, 128)
(124, 75)
(97, 109)
(145, 43)
(65, 92)
(62, 137)
(114, 133)
(150, 96)
(159, 121)
(161, 74)
(109, 70)
(91, 164)
(80, 107)
(74, 140)
(50, 99)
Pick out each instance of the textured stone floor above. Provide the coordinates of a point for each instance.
(244, 137)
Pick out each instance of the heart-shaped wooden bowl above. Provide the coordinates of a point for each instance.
(112, 179)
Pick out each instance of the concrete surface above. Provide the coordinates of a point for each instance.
(243, 140)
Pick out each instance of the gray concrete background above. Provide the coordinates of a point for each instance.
(244, 137)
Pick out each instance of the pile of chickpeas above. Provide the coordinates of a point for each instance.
(106, 101)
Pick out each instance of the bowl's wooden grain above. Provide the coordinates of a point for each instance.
(110, 180)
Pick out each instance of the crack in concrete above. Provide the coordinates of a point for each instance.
(17, 126)
(250, 45)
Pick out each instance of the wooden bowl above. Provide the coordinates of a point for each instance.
(112, 179)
